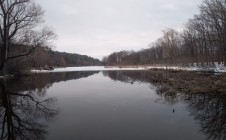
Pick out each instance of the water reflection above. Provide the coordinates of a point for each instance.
(21, 113)
(210, 111)
(45, 80)
(206, 104)
(25, 107)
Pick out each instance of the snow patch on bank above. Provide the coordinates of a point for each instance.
(92, 68)
(218, 68)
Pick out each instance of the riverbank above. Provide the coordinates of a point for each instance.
(171, 82)
(217, 68)
(89, 68)
(191, 82)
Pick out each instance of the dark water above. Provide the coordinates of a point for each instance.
(112, 105)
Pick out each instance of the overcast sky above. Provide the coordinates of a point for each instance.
(100, 27)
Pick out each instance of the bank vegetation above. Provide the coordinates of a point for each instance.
(201, 43)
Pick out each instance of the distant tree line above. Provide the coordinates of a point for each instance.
(45, 57)
(202, 42)
(24, 40)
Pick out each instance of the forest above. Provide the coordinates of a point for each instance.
(25, 41)
(43, 58)
(202, 42)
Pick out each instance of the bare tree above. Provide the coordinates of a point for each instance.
(20, 32)
(202, 42)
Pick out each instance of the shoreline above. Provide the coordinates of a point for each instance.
(217, 69)
(173, 82)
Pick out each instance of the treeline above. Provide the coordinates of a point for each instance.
(45, 57)
(202, 42)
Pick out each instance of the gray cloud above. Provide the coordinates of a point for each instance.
(99, 27)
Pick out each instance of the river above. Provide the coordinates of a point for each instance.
(107, 105)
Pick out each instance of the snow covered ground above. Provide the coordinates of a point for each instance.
(217, 68)
(91, 68)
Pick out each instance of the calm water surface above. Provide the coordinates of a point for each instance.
(110, 105)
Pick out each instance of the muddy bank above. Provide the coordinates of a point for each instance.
(192, 82)
(171, 81)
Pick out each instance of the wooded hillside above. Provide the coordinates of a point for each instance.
(202, 42)
(44, 57)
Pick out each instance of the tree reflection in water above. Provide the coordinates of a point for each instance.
(21, 114)
(25, 107)
(208, 108)
(210, 111)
